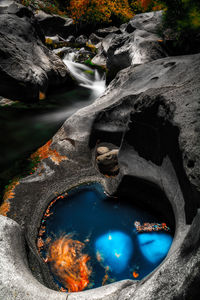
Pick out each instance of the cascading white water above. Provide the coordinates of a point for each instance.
(82, 74)
(88, 78)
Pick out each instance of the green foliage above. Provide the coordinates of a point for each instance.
(140, 6)
(183, 14)
(89, 62)
(183, 17)
(89, 72)
(101, 69)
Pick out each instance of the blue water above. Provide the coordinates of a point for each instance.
(116, 249)
(106, 226)
(154, 245)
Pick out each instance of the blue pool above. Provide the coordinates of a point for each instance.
(97, 233)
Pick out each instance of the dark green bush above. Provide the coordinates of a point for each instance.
(183, 18)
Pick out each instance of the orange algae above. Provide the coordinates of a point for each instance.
(105, 279)
(106, 276)
(42, 96)
(69, 263)
(47, 213)
(40, 243)
(41, 231)
(135, 274)
(63, 290)
(46, 152)
(9, 194)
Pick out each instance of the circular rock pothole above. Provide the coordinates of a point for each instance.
(89, 239)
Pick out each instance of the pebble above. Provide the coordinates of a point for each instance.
(102, 150)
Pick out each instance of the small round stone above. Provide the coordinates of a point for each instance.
(102, 150)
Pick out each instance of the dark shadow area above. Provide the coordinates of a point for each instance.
(155, 138)
(152, 134)
(27, 127)
(102, 136)
(111, 124)
(148, 197)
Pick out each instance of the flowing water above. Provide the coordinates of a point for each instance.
(87, 77)
(26, 127)
(86, 230)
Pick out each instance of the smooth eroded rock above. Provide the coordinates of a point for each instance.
(150, 22)
(136, 42)
(25, 63)
(105, 31)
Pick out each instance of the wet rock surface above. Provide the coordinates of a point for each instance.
(95, 39)
(150, 114)
(135, 43)
(80, 55)
(14, 265)
(133, 49)
(82, 39)
(25, 63)
(150, 22)
(105, 31)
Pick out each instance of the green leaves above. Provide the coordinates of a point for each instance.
(183, 17)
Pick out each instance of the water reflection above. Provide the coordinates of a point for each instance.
(154, 245)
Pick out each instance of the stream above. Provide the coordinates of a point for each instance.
(26, 127)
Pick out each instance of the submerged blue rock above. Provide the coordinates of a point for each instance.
(155, 245)
(114, 250)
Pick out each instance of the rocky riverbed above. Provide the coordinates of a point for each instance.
(141, 136)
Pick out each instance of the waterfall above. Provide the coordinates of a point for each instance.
(85, 76)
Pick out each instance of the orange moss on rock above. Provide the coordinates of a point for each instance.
(4, 208)
(46, 152)
(8, 195)
(40, 244)
(42, 96)
(135, 274)
(105, 279)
